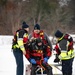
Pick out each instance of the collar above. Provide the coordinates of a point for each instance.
(60, 38)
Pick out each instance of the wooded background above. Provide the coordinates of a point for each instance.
(49, 14)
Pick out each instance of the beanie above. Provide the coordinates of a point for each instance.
(58, 34)
(37, 26)
(24, 25)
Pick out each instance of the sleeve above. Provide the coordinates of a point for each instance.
(30, 36)
(48, 41)
(49, 53)
(27, 54)
(25, 38)
(68, 37)
(70, 41)
(57, 49)
(20, 40)
(70, 45)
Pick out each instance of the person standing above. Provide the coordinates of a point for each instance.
(38, 33)
(19, 47)
(65, 51)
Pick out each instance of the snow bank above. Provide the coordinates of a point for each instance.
(6, 39)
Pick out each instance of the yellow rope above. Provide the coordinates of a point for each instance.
(54, 68)
(42, 66)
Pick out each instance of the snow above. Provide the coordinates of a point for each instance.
(7, 60)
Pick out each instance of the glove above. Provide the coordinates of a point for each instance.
(32, 61)
(56, 59)
(45, 60)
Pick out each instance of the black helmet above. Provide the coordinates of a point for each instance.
(38, 40)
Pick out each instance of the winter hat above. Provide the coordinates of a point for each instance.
(24, 25)
(58, 34)
(37, 26)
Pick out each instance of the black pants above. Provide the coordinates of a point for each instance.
(47, 67)
(67, 66)
(19, 61)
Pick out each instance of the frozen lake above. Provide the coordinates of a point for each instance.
(7, 60)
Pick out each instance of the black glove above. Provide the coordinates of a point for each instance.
(56, 60)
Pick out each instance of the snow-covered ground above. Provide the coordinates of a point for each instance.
(7, 60)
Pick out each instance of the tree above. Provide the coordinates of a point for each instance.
(39, 9)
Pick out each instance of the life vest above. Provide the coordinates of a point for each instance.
(35, 51)
(63, 44)
(40, 35)
(15, 39)
(38, 51)
(67, 55)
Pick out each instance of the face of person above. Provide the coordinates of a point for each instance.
(40, 43)
(57, 39)
(27, 29)
(36, 31)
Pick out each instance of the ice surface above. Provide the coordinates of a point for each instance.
(7, 60)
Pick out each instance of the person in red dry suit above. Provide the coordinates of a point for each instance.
(38, 54)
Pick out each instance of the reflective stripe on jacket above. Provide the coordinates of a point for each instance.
(66, 55)
(64, 47)
(22, 38)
